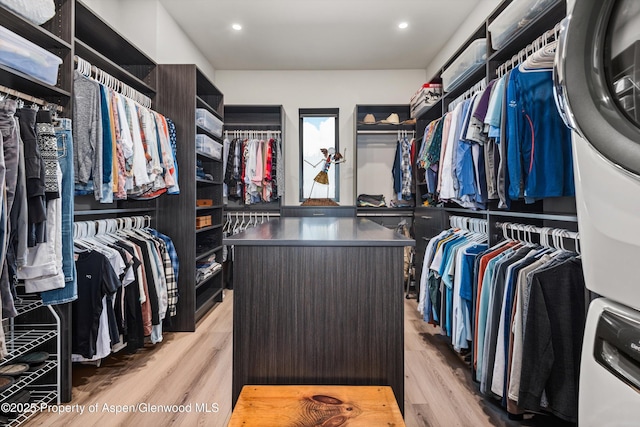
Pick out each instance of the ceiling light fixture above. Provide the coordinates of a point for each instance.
(236, 27)
(403, 25)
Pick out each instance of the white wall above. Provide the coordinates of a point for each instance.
(468, 27)
(175, 47)
(148, 25)
(319, 89)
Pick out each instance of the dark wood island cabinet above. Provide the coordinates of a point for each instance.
(318, 301)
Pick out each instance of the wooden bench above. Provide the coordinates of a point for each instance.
(316, 405)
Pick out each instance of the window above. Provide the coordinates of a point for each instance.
(318, 132)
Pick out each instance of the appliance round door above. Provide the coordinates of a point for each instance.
(597, 83)
(600, 78)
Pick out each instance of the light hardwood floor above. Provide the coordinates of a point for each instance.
(195, 369)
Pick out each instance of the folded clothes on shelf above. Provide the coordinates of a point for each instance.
(371, 200)
(206, 269)
(401, 203)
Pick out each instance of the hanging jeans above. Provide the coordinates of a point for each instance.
(65, 157)
(43, 269)
(8, 179)
(34, 170)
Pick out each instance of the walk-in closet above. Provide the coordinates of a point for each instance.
(284, 213)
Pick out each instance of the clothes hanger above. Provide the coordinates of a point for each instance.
(227, 223)
(250, 222)
(236, 226)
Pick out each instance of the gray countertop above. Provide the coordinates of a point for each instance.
(307, 231)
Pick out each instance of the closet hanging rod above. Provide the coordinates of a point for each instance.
(478, 225)
(254, 213)
(395, 215)
(539, 43)
(468, 94)
(26, 97)
(521, 227)
(384, 132)
(85, 68)
(99, 226)
(557, 234)
(241, 131)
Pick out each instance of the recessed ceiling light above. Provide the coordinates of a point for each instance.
(403, 25)
(236, 27)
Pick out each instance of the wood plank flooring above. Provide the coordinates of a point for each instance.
(194, 369)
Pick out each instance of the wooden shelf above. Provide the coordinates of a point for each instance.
(246, 117)
(207, 300)
(208, 208)
(102, 37)
(201, 103)
(105, 64)
(208, 253)
(208, 181)
(208, 156)
(25, 83)
(203, 131)
(384, 128)
(209, 228)
(205, 281)
(209, 94)
(34, 33)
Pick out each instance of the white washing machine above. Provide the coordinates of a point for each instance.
(598, 92)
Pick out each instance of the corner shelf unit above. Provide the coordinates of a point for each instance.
(181, 89)
(264, 118)
(555, 212)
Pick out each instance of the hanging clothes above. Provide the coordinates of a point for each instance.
(127, 283)
(402, 170)
(123, 150)
(506, 142)
(538, 143)
(519, 308)
(253, 170)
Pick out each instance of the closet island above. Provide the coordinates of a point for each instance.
(318, 301)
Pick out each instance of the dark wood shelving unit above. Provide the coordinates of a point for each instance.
(379, 136)
(99, 60)
(181, 89)
(260, 118)
(101, 37)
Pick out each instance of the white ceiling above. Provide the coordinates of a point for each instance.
(319, 34)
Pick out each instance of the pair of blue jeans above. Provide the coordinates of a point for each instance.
(65, 159)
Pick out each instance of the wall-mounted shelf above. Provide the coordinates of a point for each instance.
(34, 33)
(99, 60)
(29, 85)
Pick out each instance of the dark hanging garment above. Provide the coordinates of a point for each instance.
(553, 340)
